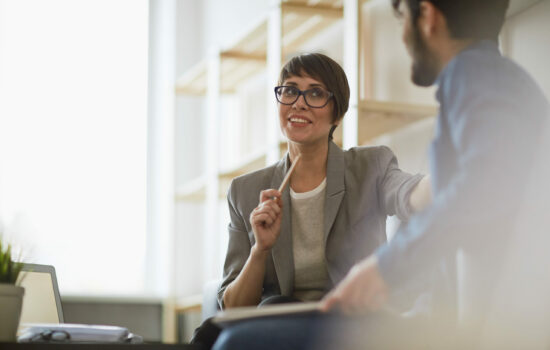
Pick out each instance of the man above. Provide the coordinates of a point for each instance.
(489, 131)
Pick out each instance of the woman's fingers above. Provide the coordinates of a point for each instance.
(263, 218)
(270, 195)
(269, 207)
(264, 211)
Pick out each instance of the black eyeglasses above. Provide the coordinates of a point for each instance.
(51, 336)
(315, 98)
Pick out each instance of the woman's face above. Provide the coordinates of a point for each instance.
(301, 123)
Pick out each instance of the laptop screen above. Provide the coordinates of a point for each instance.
(41, 302)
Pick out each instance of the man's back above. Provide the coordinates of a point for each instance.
(489, 130)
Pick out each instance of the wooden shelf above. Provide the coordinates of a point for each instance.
(192, 191)
(302, 22)
(377, 117)
(247, 56)
(248, 163)
(252, 162)
(233, 72)
(193, 82)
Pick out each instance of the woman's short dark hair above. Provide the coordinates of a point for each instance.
(325, 70)
(466, 19)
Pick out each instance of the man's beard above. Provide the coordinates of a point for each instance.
(424, 66)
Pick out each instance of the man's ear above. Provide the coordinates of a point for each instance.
(428, 18)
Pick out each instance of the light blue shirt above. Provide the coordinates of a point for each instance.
(491, 112)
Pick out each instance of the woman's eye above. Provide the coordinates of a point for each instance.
(316, 93)
(290, 91)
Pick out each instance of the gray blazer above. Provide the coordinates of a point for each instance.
(364, 186)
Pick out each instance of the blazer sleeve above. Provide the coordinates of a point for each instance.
(239, 244)
(395, 186)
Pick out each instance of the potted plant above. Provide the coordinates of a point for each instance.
(11, 295)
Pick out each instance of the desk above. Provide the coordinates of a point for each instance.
(93, 346)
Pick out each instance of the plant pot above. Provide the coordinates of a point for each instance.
(11, 301)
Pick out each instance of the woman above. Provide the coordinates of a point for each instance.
(296, 245)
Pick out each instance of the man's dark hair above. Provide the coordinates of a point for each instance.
(466, 19)
(327, 71)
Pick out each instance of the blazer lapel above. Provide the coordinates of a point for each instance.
(335, 185)
(281, 252)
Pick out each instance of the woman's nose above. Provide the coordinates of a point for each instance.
(300, 102)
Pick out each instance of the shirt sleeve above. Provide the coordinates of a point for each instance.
(492, 133)
(396, 186)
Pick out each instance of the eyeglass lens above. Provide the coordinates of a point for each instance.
(316, 97)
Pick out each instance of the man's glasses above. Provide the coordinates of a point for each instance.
(315, 98)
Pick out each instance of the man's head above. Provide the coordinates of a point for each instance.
(435, 29)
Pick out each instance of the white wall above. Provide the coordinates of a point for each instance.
(527, 41)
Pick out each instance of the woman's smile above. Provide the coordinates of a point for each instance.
(299, 121)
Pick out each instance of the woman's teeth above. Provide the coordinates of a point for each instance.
(299, 120)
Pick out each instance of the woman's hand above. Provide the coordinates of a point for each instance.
(266, 219)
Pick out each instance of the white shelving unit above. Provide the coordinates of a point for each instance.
(377, 117)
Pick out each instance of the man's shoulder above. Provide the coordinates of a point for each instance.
(483, 72)
(488, 67)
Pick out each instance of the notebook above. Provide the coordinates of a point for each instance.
(41, 301)
(227, 317)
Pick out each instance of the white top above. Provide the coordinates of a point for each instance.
(310, 270)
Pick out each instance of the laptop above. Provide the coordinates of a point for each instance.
(42, 314)
(41, 302)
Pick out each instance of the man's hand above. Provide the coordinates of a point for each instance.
(362, 290)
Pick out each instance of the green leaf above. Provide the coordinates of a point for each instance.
(9, 269)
